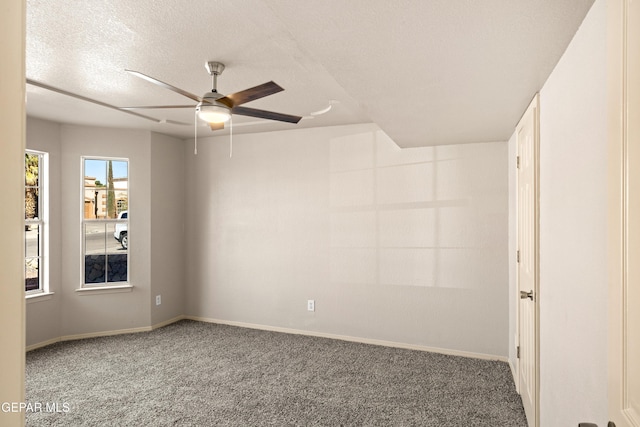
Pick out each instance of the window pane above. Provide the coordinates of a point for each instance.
(117, 188)
(95, 203)
(117, 268)
(120, 170)
(96, 171)
(32, 240)
(31, 274)
(122, 204)
(31, 204)
(31, 169)
(117, 239)
(95, 238)
(94, 268)
(111, 204)
(95, 187)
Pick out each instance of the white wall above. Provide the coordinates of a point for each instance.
(406, 246)
(44, 136)
(573, 224)
(156, 165)
(167, 218)
(87, 312)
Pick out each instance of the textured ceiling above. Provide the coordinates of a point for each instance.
(427, 72)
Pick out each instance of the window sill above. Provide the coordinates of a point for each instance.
(97, 290)
(37, 297)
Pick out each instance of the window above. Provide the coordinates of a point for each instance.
(105, 223)
(34, 224)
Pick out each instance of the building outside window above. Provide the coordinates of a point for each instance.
(105, 223)
(34, 221)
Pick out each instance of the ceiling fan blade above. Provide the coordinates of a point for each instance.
(262, 114)
(175, 122)
(165, 85)
(251, 94)
(149, 107)
(84, 98)
(216, 126)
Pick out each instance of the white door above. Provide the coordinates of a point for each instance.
(624, 209)
(527, 142)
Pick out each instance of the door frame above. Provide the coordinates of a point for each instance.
(535, 241)
(624, 100)
(12, 129)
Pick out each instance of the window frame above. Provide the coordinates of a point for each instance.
(106, 284)
(42, 222)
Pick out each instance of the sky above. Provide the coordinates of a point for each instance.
(98, 168)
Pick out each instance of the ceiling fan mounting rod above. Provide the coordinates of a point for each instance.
(214, 69)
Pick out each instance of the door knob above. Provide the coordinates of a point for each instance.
(525, 295)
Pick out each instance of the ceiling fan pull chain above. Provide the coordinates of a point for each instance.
(195, 131)
(231, 136)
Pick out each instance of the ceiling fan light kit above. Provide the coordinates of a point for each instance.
(213, 113)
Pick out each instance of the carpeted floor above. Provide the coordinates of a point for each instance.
(200, 374)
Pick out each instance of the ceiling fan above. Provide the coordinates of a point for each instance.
(216, 108)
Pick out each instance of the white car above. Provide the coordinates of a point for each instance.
(120, 233)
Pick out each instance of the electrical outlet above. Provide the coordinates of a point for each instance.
(158, 299)
(311, 305)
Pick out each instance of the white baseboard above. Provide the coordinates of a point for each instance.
(277, 329)
(351, 339)
(513, 369)
(168, 322)
(514, 375)
(103, 333)
(42, 344)
(87, 335)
